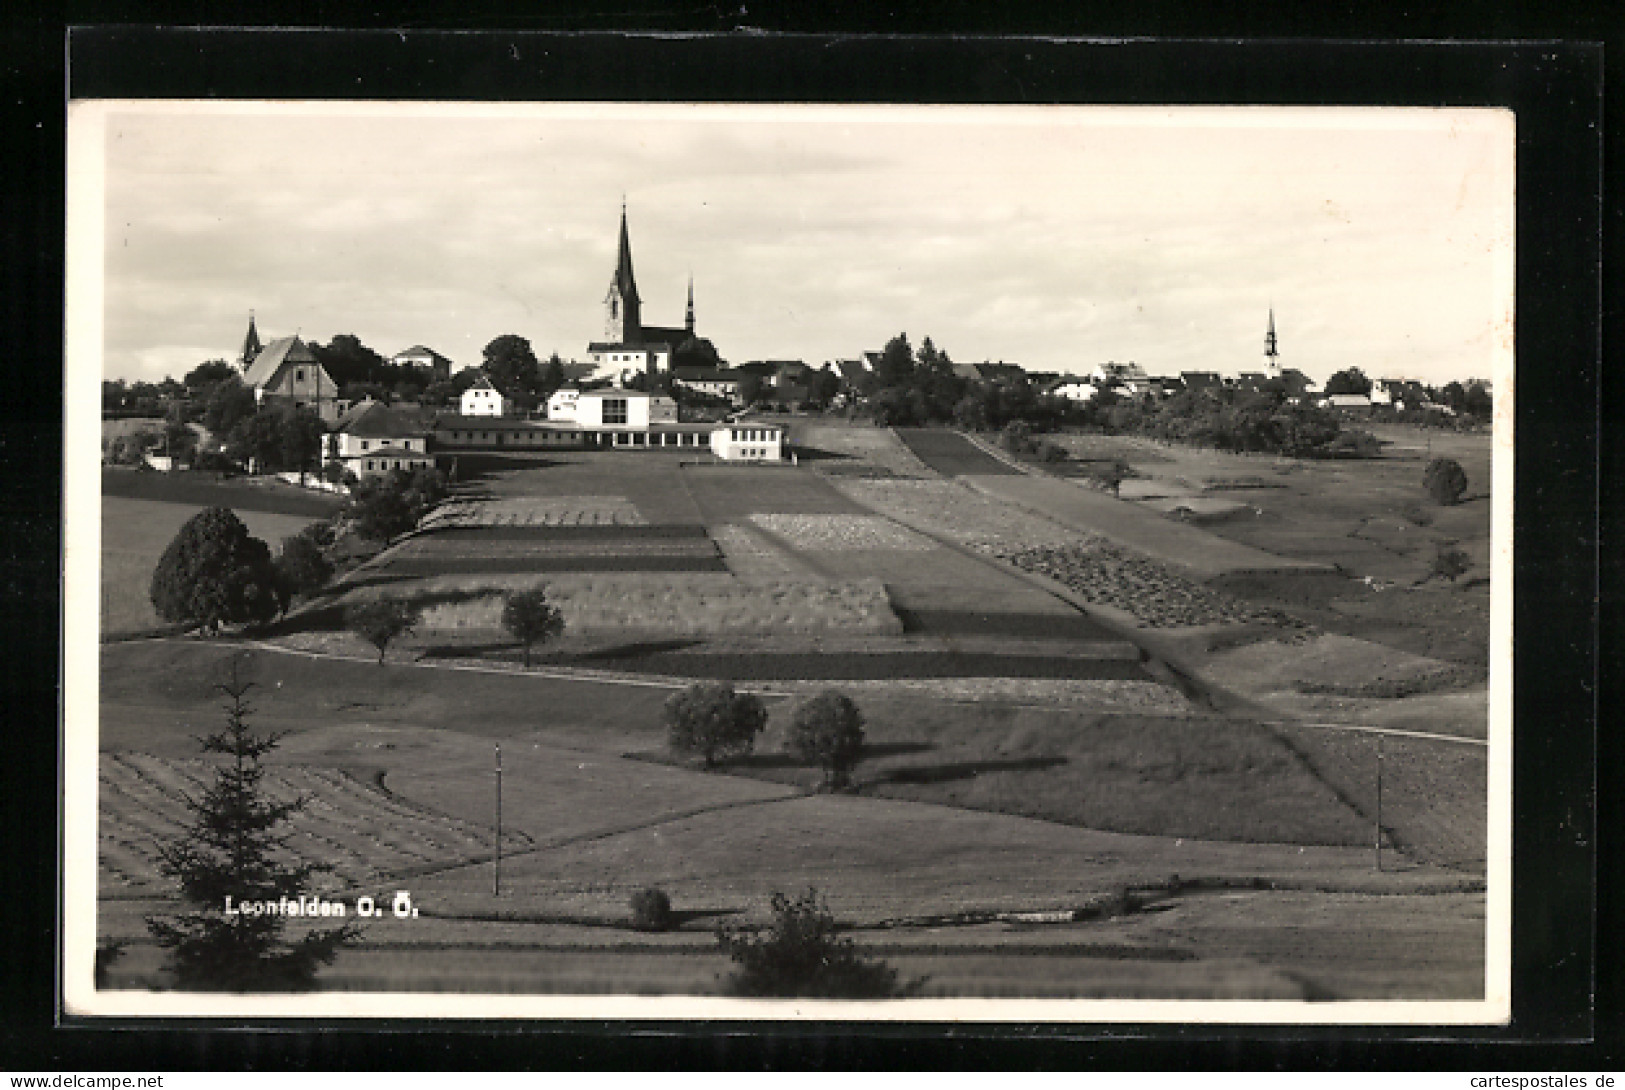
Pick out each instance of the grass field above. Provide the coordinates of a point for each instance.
(135, 534)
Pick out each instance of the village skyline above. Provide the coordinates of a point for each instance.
(1053, 238)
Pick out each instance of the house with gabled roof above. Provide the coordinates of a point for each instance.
(483, 399)
(423, 357)
(286, 370)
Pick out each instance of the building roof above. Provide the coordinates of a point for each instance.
(1200, 380)
(619, 346)
(421, 350)
(375, 420)
(284, 350)
(482, 383)
(251, 344)
(705, 374)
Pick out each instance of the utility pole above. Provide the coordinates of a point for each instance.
(1379, 802)
(496, 881)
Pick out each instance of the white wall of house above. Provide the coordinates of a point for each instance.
(381, 460)
(1076, 391)
(623, 409)
(561, 405)
(748, 441)
(483, 400)
(352, 446)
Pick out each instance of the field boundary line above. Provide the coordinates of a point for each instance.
(1362, 729)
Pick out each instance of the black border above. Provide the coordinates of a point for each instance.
(1555, 89)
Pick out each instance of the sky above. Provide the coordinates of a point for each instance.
(1052, 237)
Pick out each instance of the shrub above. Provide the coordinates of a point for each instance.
(530, 619)
(828, 729)
(215, 573)
(1051, 452)
(711, 720)
(382, 620)
(1445, 481)
(800, 955)
(302, 568)
(1108, 475)
(651, 910)
(1450, 561)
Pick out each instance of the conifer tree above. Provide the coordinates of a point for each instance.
(233, 848)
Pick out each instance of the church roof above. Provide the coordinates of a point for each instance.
(251, 344)
(284, 350)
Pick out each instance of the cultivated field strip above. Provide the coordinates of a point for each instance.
(536, 511)
(950, 510)
(359, 831)
(749, 555)
(842, 533)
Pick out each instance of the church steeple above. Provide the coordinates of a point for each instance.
(1271, 357)
(623, 320)
(251, 344)
(688, 318)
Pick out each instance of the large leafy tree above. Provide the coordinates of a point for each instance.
(827, 729)
(1349, 381)
(207, 375)
(896, 364)
(801, 954)
(710, 720)
(382, 621)
(229, 403)
(347, 360)
(215, 573)
(235, 849)
(512, 366)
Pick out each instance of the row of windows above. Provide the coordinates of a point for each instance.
(755, 435)
(754, 452)
(614, 410)
(407, 443)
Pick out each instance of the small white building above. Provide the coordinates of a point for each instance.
(622, 409)
(748, 441)
(483, 399)
(561, 404)
(629, 359)
(1074, 389)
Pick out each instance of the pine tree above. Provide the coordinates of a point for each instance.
(233, 849)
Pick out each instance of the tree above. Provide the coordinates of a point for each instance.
(750, 388)
(512, 366)
(550, 378)
(233, 854)
(299, 439)
(1109, 474)
(229, 402)
(709, 719)
(347, 360)
(651, 910)
(214, 573)
(381, 512)
(382, 620)
(896, 364)
(1349, 381)
(801, 955)
(531, 619)
(207, 375)
(828, 729)
(1445, 481)
(302, 568)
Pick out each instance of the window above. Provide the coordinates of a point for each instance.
(299, 374)
(369, 464)
(363, 444)
(615, 410)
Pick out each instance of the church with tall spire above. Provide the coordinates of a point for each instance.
(631, 347)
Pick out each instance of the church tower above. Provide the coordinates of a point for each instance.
(688, 318)
(1272, 358)
(251, 345)
(623, 318)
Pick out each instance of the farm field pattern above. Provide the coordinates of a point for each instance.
(1020, 757)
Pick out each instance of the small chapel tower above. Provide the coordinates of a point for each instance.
(251, 345)
(688, 318)
(623, 319)
(1272, 358)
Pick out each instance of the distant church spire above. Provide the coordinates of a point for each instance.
(623, 321)
(1271, 356)
(251, 344)
(688, 318)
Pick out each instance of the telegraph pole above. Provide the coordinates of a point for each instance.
(1379, 802)
(496, 881)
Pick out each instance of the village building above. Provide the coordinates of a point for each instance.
(372, 439)
(1074, 389)
(286, 371)
(630, 346)
(748, 441)
(424, 358)
(483, 399)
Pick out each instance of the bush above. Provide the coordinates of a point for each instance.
(214, 573)
(801, 956)
(828, 729)
(1445, 481)
(530, 619)
(381, 621)
(1051, 452)
(1450, 561)
(651, 910)
(711, 720)
(1108, 475)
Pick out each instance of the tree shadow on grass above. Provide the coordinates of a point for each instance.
(681, 916)
(636, 649)
(965, 770)
(818, 454)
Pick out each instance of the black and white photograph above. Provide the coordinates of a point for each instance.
(887, 562)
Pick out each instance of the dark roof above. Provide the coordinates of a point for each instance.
(1198, 380)
(641, 346)
(705, 374)
(269, 362)
(421, 350)
(375, 420)
(851, 370)
(669, 335)
(624, 281)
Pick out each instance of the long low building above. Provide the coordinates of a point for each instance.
(484, 433)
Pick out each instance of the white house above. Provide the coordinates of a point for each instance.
(372, 439)
(483, 399)
(561, 404)
(629, 359)
(1074, 389)
(748, 441)
(1345, 401)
